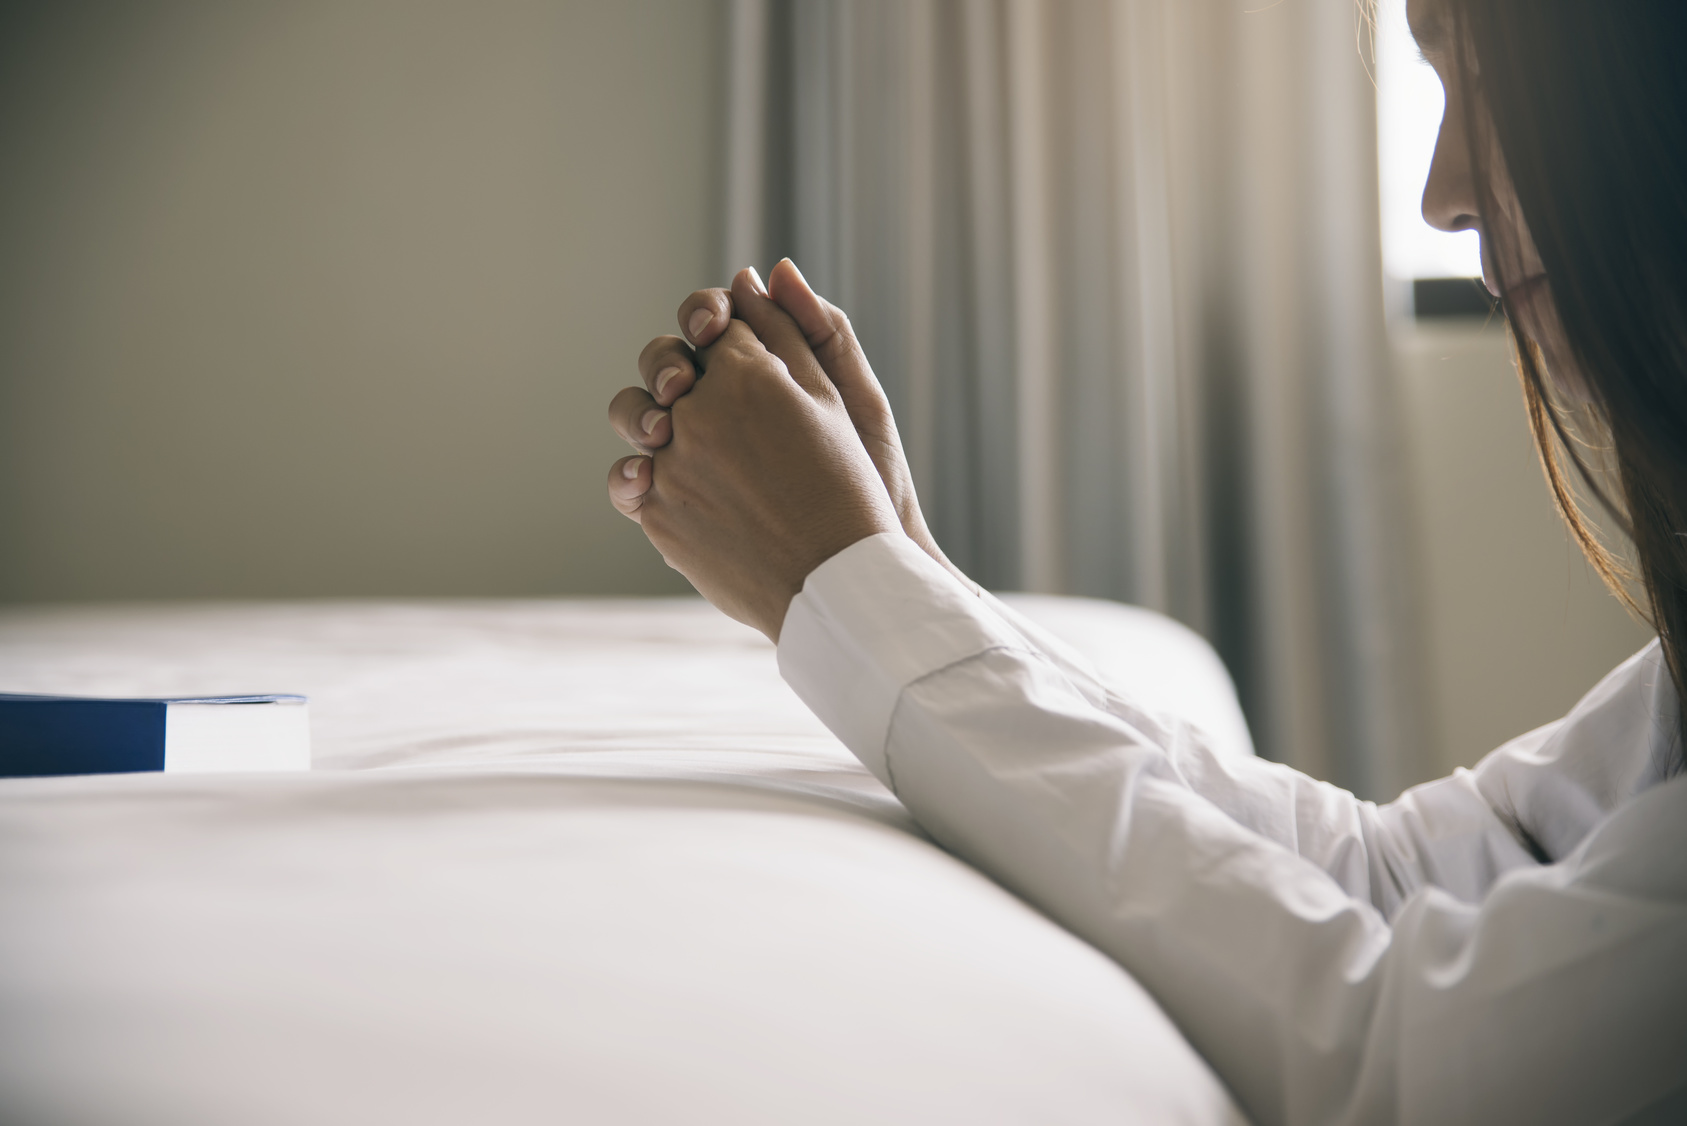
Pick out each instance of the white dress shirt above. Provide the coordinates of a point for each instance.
(1507, 944)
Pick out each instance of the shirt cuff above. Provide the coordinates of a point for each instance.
(870, 621)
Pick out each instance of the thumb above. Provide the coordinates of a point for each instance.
(778, 333)
(830, 335)
(827, 331)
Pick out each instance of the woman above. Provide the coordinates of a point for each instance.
(1506, 944)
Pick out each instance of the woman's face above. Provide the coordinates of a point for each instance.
(1450, 199)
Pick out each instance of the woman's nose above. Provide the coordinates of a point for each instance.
(1449, 196)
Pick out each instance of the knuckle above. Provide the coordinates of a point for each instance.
(655, 523)
(618, 416)
(739, 350)
(843, 331)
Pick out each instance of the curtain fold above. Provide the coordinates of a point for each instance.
(1117, 265)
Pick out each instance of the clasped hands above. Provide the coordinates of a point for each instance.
(765, 446)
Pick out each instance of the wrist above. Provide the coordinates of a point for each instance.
(846, 535)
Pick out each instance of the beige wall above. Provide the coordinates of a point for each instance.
(328, 298)
(1518, 625)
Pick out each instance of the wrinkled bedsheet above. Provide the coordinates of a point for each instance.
(561, 861)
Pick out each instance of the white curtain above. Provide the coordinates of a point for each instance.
(1116, 262)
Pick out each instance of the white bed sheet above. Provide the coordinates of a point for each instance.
(558, 862)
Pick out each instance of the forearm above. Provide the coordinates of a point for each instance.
(1007, 763)
(1556, 998)
(1443, 834)
(1299, 993)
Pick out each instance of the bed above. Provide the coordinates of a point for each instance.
(556, 861)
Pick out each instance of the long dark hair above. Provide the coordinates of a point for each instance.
(1588, 104)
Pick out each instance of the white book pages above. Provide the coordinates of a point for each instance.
(207, 737)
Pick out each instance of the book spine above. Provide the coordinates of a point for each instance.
(46, 737)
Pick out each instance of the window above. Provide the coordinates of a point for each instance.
(1409, 103)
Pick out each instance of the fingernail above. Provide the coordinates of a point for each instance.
(699, 321)
(649, 421)
(630, 469)
(799, 274)
(755, 282)
(663, 378)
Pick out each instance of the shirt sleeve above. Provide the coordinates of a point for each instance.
(1443, 834)
(1227, 904)
(1532, 801)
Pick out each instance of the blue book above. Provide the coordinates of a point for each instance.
(75, 735)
